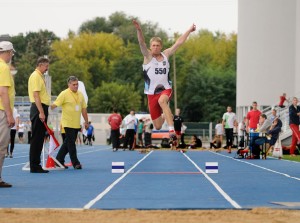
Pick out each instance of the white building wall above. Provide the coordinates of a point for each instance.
(297, 56)
(268, 51)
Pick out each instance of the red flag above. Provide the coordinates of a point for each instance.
(53, 143)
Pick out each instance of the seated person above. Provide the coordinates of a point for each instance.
(195, 142)
(216, 143)
(263, 126)
(271, 136)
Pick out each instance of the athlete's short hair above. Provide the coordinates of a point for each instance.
(156, 39)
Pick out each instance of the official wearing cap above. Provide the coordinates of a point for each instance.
(7, 98)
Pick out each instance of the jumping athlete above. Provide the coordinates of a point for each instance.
(157, 80)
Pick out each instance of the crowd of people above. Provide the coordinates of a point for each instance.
(133, 132)
(256, 134)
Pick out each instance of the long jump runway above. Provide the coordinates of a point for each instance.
(159, 179)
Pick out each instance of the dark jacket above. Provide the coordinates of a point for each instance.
(275, 132)
(294, 118)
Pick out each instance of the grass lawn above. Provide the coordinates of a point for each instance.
(293, 158)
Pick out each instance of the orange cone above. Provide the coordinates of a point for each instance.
(50, 162)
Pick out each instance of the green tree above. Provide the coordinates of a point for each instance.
(206, 75)
(28, 49)
(99, 24)
(120, 24)
(114, 95)
(89, 56)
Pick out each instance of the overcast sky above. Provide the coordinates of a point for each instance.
(60, 16)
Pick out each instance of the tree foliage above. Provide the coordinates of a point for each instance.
(28, 49)
(124, 97)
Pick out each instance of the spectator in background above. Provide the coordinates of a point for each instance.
(148, 132)
(274, 132)
(294, 114)
(216, 142)
(90, 133)
(273, 115)
(252, 123)
(130, 122)
(219, 130)
(263, 127)
(282, 99)
(242, 132)
(115, 121)
(229, 121)
(195, 142)
(140, 132)
(13, 130)
(252, 117)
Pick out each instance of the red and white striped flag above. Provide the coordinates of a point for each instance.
(53, 143)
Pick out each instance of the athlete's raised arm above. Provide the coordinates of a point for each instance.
(170, 51)
(141, 40)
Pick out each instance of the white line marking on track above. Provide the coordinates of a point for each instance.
(221, 191)
(18, 164)
(103, 193)
(261, 167)
(91, 151)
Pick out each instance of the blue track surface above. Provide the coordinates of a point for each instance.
(156, 180)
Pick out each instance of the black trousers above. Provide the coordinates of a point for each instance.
(37, 137)
(12, 141)
(115, 138)
(89, 138)
(212, 145)
(147, 139)
(69, 146)
(29, 136)
(182, 139)
(229, 137)
(129, 138)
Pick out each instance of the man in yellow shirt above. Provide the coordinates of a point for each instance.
(40, 101)
(7, 98)
(73, 105)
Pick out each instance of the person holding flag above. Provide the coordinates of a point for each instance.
(73, 105)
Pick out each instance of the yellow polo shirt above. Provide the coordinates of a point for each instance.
(7, 80)
(72, 104)
(37, 82)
